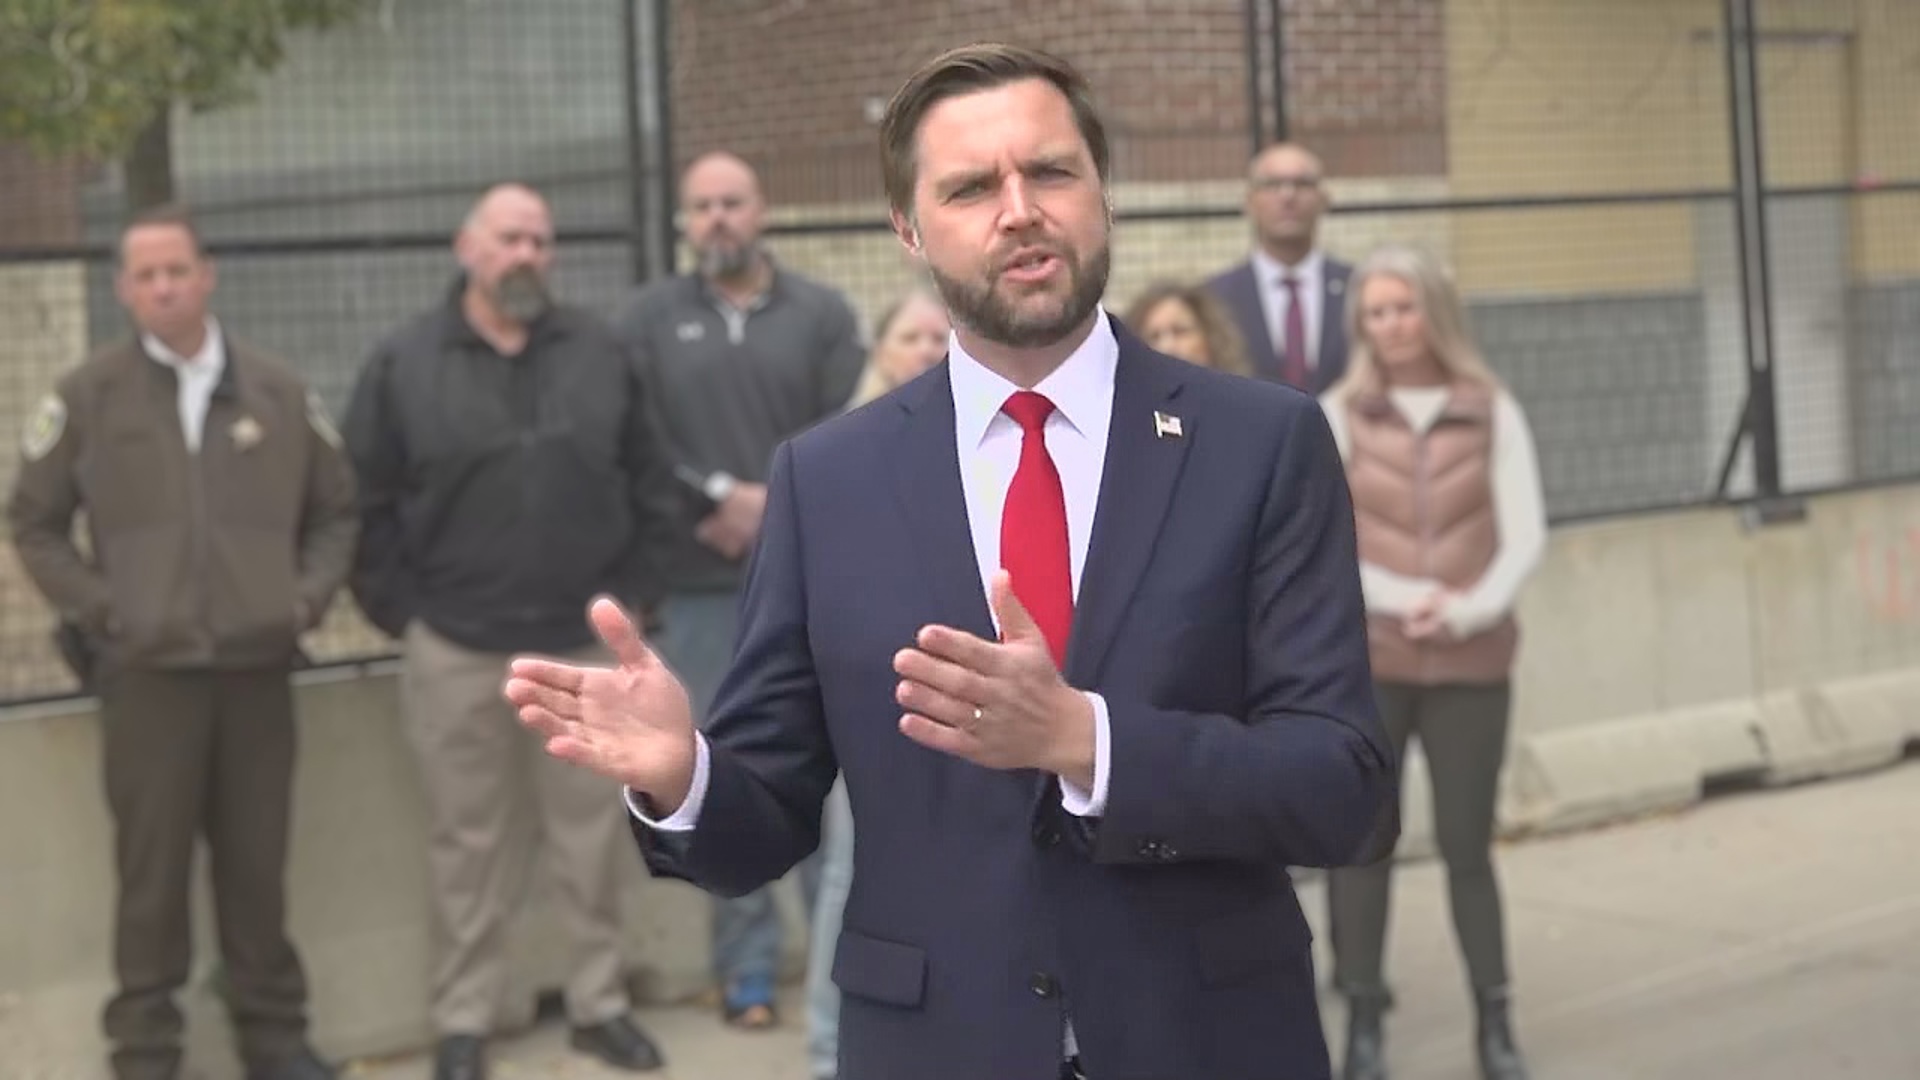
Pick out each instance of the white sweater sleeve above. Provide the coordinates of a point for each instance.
(1520, 518)
(1384, 591)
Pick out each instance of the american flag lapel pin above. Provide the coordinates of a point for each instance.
(1166, 426)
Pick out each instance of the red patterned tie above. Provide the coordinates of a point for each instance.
(1294, 363)
(1033, 527)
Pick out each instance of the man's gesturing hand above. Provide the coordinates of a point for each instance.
(631, 722)
(999, 704)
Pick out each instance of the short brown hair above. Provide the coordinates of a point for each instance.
(174, 214)
(966, 70)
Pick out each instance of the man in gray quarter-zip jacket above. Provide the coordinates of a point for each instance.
(220, 510)
(744, 353)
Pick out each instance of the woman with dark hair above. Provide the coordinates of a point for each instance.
(1188, 322)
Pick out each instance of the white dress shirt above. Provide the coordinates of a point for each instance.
(197, 375)
(1311, 273)
(1519, 514)
(988, 441)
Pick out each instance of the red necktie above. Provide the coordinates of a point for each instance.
(1293, 366)
(1033, 527)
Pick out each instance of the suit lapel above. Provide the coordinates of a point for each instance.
(1333, 324)
(1253, 321)
(927, 480)
(1136, 487)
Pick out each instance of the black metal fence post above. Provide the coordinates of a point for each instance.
(1761, 419)
(647, 52)
(1256, 120)
(1277, 28)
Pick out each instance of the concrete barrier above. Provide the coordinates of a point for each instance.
(357, 883)
(1662, 654)
(1666, 653)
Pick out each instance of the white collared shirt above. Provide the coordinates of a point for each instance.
(1311, 274)
(197, 375)
(1081, 390)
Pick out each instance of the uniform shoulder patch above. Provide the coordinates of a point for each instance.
(44, 427)
(322, 426)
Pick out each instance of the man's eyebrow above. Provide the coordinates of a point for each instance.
(1054, 158)
(963, 177)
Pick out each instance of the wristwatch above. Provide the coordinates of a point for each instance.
(718, 486)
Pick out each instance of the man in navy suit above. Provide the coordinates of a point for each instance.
(1079, 623)
(1289, 298)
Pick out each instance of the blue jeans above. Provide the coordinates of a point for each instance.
(835, 877)
(697, 641)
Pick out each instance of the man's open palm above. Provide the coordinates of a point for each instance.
(631, 722)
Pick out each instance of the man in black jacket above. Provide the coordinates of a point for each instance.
(511, 468)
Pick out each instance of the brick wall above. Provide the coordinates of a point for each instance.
(1367, 83)
(788, 83)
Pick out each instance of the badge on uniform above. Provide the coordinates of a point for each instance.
(44, 427)
(246, 433)
(1166, 426)
(317, 416)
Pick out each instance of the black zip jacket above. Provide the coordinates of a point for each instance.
(499, 495)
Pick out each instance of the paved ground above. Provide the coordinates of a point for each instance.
(1765, 936)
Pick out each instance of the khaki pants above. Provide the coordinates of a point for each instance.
(475, 760)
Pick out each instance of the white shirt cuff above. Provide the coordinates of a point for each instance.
(1092, 803)
(683, 819)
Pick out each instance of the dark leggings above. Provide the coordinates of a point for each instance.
(1463, 733)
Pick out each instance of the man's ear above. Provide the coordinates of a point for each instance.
(905, 230)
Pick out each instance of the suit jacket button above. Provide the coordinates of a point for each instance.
(1149, 849)
(1046, 835)
(1167, 853)
(1043, 985)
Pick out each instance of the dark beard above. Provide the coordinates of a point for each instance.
(982, 309)
(727, 264)
(521, 295)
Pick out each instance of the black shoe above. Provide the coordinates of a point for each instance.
(1499, 1058)
(304, 1065)
(460, 1057)
(1366, 1057)
(153, 1065)
(620, 1043)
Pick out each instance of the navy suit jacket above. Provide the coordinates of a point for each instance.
(1239, 289)
(1220, 616)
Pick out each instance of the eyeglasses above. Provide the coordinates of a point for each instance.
(1286, 183)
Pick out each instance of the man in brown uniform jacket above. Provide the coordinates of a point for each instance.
(221, 519)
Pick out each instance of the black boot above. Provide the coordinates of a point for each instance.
(1499, 1056)
(1366, 1057)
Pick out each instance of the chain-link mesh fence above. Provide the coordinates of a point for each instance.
(1570, 159)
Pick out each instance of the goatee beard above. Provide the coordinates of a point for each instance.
(521, 295)
(726, 263)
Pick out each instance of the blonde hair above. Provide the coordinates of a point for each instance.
(873, 381)
(1448, 337)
